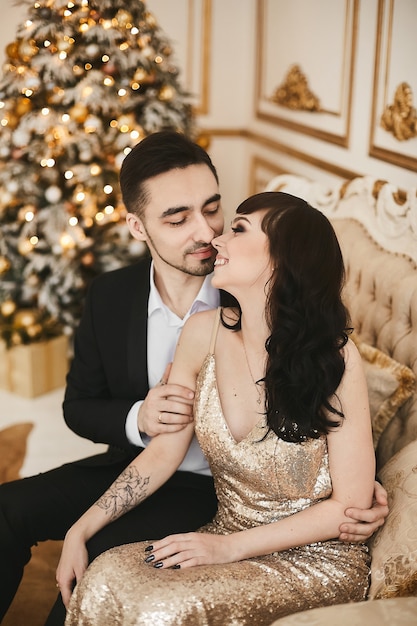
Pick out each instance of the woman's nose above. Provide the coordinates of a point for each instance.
(217, 242)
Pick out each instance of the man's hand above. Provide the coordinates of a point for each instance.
(367, 520)
(167, 408)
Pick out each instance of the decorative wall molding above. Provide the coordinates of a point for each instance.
(329, 66)
(261, 172)
(199, 36)
(285, 149)
(394, 122)
(400, 118)
(294, 93)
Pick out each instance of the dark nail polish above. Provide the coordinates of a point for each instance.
(177, 566)
(159, 564)
(149, 558)
(148, 548)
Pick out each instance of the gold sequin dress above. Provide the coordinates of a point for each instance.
(258, 480)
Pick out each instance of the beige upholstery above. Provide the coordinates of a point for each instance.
(394, 612)
(381, 293)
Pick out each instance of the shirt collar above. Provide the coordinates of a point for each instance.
(207, 298)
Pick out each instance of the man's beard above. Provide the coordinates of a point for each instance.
(202, 268)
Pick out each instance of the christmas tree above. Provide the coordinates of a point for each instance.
(83, 82)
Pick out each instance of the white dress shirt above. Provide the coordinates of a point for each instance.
(164, 329)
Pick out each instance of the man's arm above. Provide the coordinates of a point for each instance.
(96, 403)
(365, 522)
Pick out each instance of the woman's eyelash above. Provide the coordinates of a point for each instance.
(237, 229)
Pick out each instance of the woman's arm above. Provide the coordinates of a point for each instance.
(142, 477)
(352, 470)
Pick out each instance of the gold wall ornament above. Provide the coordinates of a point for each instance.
(294, 93)
(400, 118)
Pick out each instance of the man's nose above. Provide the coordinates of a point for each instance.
(203, 231)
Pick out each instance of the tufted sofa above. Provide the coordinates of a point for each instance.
(377, 228)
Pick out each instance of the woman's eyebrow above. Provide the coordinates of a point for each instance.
(239, 218)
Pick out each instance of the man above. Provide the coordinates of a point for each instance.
(116, 391)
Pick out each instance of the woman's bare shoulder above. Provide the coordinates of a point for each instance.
(351, 355)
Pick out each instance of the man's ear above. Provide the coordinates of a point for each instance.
(136, 227)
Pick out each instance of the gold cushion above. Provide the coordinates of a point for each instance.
(394, 546)
(390, 384)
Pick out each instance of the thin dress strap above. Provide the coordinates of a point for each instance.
(215, 330)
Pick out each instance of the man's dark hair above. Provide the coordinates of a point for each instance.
(156, 154)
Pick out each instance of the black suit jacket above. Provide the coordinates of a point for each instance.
(109, 370)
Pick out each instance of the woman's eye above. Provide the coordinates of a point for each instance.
(237, 229)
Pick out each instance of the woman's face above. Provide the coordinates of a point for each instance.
(242, 260)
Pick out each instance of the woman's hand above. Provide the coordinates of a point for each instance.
(72, 564)
(188, 550)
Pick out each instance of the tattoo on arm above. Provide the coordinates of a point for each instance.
(127, 491)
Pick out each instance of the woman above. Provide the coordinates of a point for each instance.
(281, 412)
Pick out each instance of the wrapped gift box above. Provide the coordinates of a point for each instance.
(34, 369)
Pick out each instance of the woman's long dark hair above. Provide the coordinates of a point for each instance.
(308, 321)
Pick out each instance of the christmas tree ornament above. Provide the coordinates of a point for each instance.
(79, 112)
(23, 106)
(4, 265)
(25, 318)
(7, 308)
(53, 194)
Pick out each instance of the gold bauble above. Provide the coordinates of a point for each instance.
(5, 265)
(12, 119)
(79, 112)
(23, 106)
(25, 318)
(24, 247)
(87, 259)
(27, 49)
(12, 50)
(16, 339)
(34, 331)
(7, 308)
(166, 93)
(141, 75)
(124, 17)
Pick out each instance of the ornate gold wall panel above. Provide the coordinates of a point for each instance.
(394, 119)
(318, 39)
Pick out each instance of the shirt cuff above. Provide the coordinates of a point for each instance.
(132, 433)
